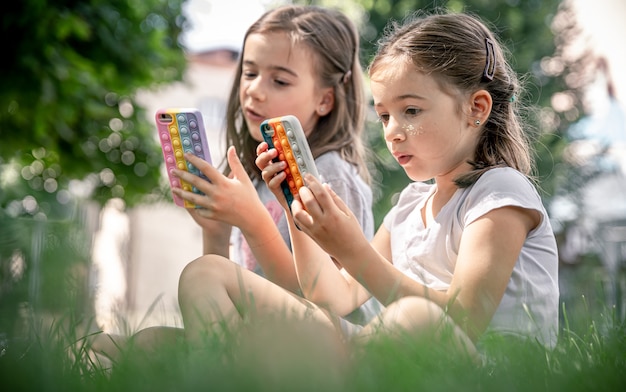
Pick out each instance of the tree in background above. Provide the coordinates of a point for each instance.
(538, 34)
(552, 55)
(71, 129)
(67, 106)
(70, 126)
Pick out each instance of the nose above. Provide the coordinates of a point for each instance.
(394, 133)
(254, 88)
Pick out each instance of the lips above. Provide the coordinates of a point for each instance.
(402, 158)
(253, 116)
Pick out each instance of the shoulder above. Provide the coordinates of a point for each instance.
(344, 179)
(331, 163)
(496, 188)
(504, 181)
(333, 169)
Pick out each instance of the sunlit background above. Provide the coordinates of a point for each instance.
(137, 253)
(220, 25)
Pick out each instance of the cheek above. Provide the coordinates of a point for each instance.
(413, 129)
(242, 91)
(294, 104)
(255, 133)
(254, 130)
(309, 125)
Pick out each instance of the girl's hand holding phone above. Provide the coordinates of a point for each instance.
(224, 198)
(322, 215)
(273, 173)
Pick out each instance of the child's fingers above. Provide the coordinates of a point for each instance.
(322, 197)
(189, 177)
(274, 170)
(337, 200)
(236, 167)
(271, 172)
(192, 197)
(309, 202)
(319, 194)
(301, 217)
(205, 167)
(262, 147)
(264, 155)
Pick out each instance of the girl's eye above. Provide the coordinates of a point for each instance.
(281, 82)
(412, 111)
(249, 74)
(383, 118)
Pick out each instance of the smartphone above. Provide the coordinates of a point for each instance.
(182, 130)
(286, 135)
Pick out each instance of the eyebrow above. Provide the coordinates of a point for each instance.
(403, 97)
(272, 67)
(407, 96)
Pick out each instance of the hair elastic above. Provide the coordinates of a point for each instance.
(346, 77)
(490, 64)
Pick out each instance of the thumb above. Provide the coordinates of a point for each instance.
(236, 167)
(337, 200)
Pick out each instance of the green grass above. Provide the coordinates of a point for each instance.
(39, 352)
(276, 355)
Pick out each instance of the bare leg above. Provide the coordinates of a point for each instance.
(149, 340)
(109, 345)
(419, 317)
(214, 292)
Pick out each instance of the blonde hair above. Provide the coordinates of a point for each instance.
(334, 43)
(464, 56)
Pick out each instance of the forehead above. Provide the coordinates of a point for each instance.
(276, 48)
(397, 78)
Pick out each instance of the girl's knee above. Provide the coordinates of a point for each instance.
(415, 314)
(421, 317)
(419, 308)
(203, 271)
(151, 338)
(203, 268)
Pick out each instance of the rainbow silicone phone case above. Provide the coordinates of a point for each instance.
(181, 130)
(285, 134)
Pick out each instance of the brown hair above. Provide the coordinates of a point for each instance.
(464, 56)
(334, 43)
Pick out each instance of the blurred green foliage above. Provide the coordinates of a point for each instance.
(67, 104)
(536, 46)
(68, 113)
(71, 131)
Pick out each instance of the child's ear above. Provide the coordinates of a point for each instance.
(480, 106)
(327, 102)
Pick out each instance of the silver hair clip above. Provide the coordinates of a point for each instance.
(490, 64)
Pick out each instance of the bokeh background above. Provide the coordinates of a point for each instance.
(86, 219)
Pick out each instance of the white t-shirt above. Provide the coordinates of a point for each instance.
(428, 255)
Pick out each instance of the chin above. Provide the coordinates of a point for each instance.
(418, 177)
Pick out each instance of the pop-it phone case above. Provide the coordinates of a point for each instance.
(181, 130)
(285, 134)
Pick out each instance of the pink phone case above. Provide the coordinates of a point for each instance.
(182, 130)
